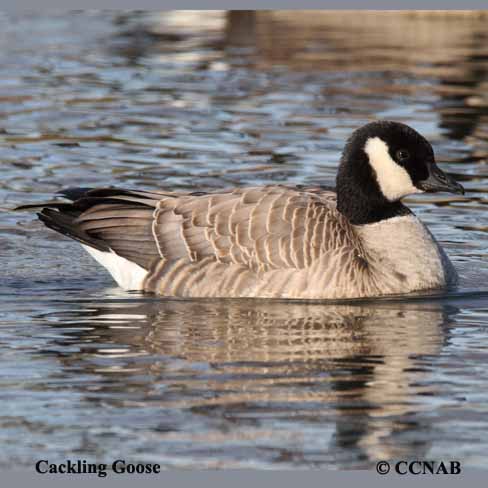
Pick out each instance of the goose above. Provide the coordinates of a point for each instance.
(274, 241)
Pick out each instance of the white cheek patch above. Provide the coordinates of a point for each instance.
(394, 181)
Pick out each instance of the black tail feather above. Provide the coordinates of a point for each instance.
(63, 224)
(63, 216)
(73, 193)
(54, 204)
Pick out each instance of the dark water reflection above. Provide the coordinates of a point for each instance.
(228, 382)
(177, 100)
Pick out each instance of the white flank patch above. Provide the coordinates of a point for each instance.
(127, 274)
(394, 181)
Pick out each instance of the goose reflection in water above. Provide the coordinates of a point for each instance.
(363, 370)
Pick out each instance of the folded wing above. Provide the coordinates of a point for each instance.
(251, 230)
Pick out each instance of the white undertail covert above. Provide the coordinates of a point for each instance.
(127, 274)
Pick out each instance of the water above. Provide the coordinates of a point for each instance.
(183, 100)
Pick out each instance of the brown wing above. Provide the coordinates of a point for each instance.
(261, 228)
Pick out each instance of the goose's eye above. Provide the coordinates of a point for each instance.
(402, 155)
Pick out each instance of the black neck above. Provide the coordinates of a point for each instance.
(360, 211)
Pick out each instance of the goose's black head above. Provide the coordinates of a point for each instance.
(382, 162)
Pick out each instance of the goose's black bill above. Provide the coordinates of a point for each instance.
(440, 181)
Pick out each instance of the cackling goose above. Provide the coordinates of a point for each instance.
(274, 241)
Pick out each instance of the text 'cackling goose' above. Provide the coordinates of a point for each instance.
(274, 241)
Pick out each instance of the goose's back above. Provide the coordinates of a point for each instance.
(272, 241)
